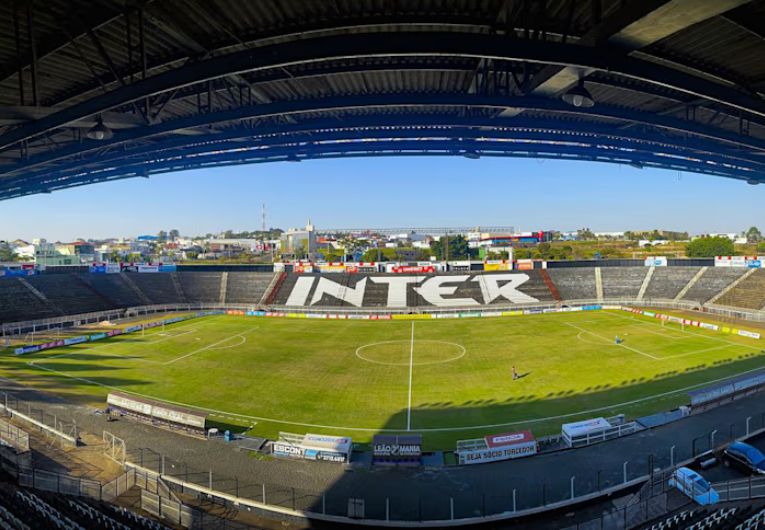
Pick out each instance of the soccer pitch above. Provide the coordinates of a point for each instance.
(447, 378)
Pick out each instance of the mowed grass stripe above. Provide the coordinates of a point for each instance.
(304, 372)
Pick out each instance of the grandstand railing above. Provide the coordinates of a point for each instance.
(69, 321)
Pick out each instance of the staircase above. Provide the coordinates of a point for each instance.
(178, 287)
(550, 285)
(44, 299)
(138, 292)
(747, 292)
(223, 287)
(108, 301)
(599, 284)
(691, 283)
(273, 289)
(646, 282)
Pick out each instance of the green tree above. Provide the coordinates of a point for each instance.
(707, 247)
(162, 235)
(753, 235)
(174, 234)
(457, 248)
(7, 253)
(761, 247)
(585, 234)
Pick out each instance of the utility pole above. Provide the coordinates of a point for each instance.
(263, 217)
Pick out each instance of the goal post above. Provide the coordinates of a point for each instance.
(679, 323)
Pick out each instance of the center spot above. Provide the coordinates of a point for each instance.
(397, 352)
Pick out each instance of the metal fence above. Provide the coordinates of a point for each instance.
(13, 436)
(474, 505)
(56, 429)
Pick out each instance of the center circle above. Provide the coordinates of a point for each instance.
(398, 352)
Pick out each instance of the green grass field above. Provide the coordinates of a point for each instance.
(450, 379)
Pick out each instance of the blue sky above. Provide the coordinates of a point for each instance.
(393, 192)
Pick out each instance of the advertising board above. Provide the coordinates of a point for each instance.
(314, 447)
(105, 268)
(581, 428)
(412, 269)
(331, 267)
(492, 265)
(525, 264)
(751, 262)
(395, 449)
(159, 411)
(655, 261)
(504, 446)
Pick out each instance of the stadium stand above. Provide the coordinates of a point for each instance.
(667, 282)
(19, 303)
(158, 288)
(711, 282)
(67, 291)
(24, 510)
(178, 287)
(50, 295)
(738, 518)
(535, 287)
(622, 282)
(282, 289)
(376, 294)
(115, 288)
(200, 286)
(747, 294)
(247, 287)
(574, 283)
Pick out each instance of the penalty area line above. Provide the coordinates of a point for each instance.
(210, 346)
(621, 345)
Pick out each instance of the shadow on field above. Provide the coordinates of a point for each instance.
(425, 492)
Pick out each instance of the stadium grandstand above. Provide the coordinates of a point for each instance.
(608, 393)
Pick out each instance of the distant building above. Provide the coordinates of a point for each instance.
(297, 241)
(47, 254)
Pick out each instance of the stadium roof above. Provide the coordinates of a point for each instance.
(98, 90)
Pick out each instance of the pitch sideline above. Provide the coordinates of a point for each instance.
(233, 415)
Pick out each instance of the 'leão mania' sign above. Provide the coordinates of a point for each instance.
(492, 448)
(404, 449)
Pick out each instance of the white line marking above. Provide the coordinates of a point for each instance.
(170, 336)
(704, 336)
(411, 367)
(666, 335)
(242, 340)
(723, 347)
(622, 344)
(459, 347)
(363, 429)
(208, 347)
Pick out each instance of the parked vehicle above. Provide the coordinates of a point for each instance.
(745, 457)
(693, 486)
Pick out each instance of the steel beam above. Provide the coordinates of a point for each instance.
(410, 102)
(535, 138)
(382, 44)
(631, 28)
(93, 19)
(396, 148)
